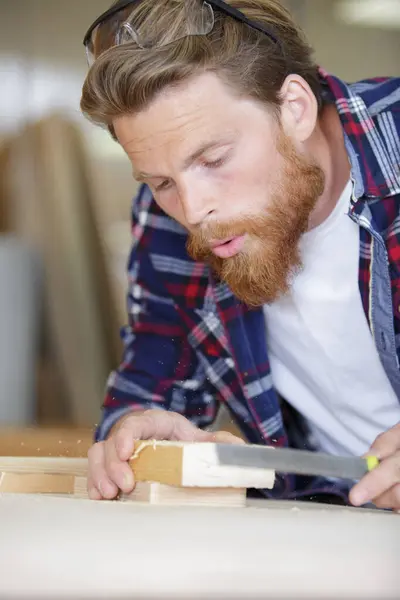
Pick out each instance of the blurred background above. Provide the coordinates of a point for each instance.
(65, 195)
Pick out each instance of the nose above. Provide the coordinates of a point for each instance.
(197, 204)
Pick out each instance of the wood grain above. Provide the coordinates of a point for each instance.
(36, 483)
(160, 462)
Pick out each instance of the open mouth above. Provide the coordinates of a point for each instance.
(228, 247)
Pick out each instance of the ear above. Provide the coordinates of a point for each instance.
(299, 108)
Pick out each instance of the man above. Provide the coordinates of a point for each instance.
(265, 266)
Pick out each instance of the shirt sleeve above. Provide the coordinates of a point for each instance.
(159, 368)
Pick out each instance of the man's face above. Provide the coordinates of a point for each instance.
(221, 166)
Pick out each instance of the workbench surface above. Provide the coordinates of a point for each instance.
(75, 548)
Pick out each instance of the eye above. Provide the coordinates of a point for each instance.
(214, 164)
(163, 186)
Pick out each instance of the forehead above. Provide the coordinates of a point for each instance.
(195, 110)
(201, 104)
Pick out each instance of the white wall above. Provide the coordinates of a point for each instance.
(349, 51)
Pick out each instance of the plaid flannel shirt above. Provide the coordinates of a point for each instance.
(191, 345)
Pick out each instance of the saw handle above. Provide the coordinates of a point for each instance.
(372, 462)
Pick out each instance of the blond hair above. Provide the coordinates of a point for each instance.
(126, 78)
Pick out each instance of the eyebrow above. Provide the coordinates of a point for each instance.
(141, 175)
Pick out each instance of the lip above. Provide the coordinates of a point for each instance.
(229, 247)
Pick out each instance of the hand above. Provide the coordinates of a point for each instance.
(108, 468)
(381, 486)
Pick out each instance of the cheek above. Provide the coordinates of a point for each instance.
(260, 166)
(250, 181)
(170, 204)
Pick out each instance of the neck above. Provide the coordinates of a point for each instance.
(332, 156)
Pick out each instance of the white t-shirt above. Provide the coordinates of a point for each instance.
(323, 358)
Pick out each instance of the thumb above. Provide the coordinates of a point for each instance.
(386, 444)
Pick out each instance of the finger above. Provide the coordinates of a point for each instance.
(95, 461)
(390, 499)
(386, 443)
(185, 431)
(157, 424)
(119, 473)
(97, 471)
(92, 490)
(377, 482)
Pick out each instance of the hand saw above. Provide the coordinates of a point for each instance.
(300, 462)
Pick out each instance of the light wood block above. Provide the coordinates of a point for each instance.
(43, 483)
(80, 487)
(44, 465)
(36, 483)
(161, 494)
(189, 464)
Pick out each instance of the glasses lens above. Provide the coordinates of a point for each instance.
(105, 35)
(193, 17)
(154, 29)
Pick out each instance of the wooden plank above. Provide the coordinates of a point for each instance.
(190, 464)
(44, 465)
(161, 494)
(80, 487)
(158, 461)
(43, 483)
(36, 483)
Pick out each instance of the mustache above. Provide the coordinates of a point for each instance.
(225, 230)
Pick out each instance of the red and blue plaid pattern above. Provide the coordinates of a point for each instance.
(191, 345)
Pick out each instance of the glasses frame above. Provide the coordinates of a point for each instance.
(215, 4)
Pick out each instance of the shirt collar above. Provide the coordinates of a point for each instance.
(358, 123)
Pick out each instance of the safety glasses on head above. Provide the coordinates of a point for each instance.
(124, 22)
